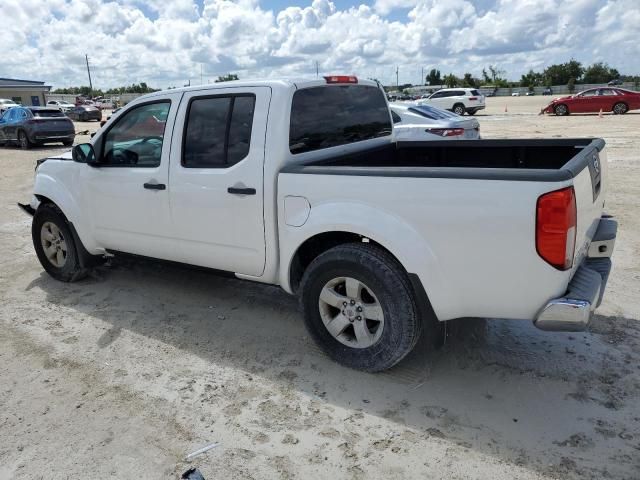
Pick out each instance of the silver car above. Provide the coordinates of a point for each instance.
(423, 122)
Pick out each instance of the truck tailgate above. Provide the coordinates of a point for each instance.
(589, 193)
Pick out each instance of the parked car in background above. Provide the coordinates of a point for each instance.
(103, 103)
(424, 122)
(29, 126)
(616, 100)
(515, 94)
(530, 93)
(615, 82)
(84, 113)
(457, 100)
(61, 105)
(547, 91)
(6, 104)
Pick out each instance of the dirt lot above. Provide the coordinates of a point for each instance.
(123, 374)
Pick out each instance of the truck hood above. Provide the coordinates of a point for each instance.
(63, 156)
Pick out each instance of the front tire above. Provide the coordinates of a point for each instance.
(359, 307)
(68, 143)
(561, 110)
(55, 245)
(620, 108)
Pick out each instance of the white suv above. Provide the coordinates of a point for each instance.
(458, 100)
(61, 105)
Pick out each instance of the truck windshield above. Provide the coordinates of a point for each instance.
(323, 117)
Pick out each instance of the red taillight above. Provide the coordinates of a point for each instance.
(341, 79)
(556, 227)
(473, 98)
(446, 132)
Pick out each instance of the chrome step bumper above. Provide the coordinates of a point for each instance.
(572, 312)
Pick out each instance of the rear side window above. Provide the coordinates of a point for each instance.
(218, 131)
(396, 118)
(475, 93)
(457, 93)
(47, 113)
(323, 117)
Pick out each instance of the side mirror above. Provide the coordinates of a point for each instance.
(84, 153)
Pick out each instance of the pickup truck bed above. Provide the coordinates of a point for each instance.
(524, 160)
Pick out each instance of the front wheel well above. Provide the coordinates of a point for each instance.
(318, 244)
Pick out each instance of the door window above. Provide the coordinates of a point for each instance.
(135, 140)
(218, 131)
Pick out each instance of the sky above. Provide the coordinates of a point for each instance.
(172, 42)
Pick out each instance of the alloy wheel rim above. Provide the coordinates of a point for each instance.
(53, 244)
(351, 312)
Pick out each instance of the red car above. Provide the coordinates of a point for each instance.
(607, 99)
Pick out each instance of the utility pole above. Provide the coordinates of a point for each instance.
(86, 57)
(317, 71)
(200, 74)
(422, 80)
(397, 81)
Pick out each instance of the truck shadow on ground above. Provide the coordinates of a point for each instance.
(562, 404)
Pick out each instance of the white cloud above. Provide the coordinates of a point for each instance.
(166, 42)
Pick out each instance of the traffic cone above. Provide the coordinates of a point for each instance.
(505, 109)
(600, 114)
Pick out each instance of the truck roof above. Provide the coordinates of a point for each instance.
(282, 83)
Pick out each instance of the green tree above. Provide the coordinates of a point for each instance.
(571, 85)
(531, 79)
(559, 74)
(599, 73)
(451, 80)
(227, 78)
(434, 78)
(470, 81)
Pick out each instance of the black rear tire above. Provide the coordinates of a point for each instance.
(472, 112)
(390, 285)
(458, 109)
(620, 108)
(23, 140)
(70, 270)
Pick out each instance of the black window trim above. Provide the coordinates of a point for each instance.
(103, 137)
(232, 97)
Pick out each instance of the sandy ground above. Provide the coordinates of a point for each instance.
(123, 374)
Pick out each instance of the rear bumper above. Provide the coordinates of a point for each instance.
(572, 312)
(44, 137)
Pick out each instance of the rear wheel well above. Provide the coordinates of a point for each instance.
(314, 246)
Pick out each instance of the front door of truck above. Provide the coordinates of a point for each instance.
(216, 175)
(127, 192)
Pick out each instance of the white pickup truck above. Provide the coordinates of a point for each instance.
(299, 184)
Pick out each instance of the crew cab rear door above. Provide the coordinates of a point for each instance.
(216, 178)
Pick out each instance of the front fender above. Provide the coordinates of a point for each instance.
(410, 248)
(53, 181)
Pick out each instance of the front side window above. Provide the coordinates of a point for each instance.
(218, 131)
(136, 138)
(323, 117)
